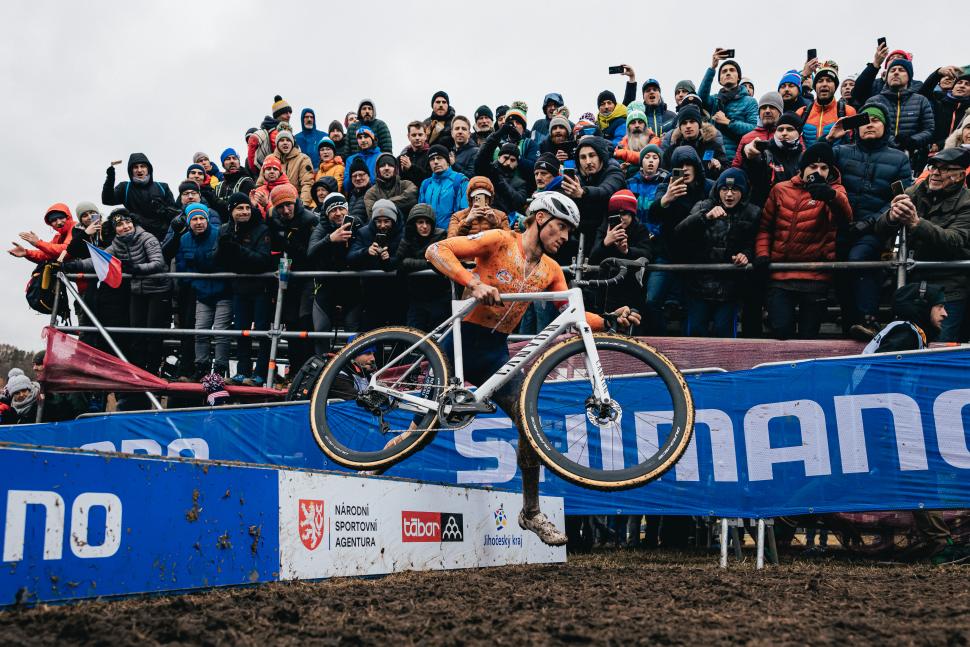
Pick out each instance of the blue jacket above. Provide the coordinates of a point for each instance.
(357, 256)
(370, 158)
(742, 111)
(446, 193)
(868, 170)
(907, 113)
(646, 191)
(309, 140)
(198, 254)
(615, 130)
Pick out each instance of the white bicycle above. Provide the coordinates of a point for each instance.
(602, 410)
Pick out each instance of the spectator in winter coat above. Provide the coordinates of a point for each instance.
(702, 137)
(273, 176)
(374, 248)
(499, 163)
(546, 173)
(599, 177)
(790, 89)
(296, 165)
(484, 125)
(820, 115)
(910, 115)
(189, 191)
(720, 229)
(869, 167)
(340, 141)
(480, 216)
(437, 127)
(867, 85)
(770, 107)
(235, 179)
(637, 137)
(560, 141)
(445, 190)
(308, 139)
(24, 399)
(845, 91)
(960, 138)
(212, 174)
(196, 252)
(681, 90)
(936, 215)
(429, 297)
(654, 107)
(389, 186)
(734, 112)
(672, 203)
(465, 152)
(330, 165)
(262, 141)
(949, 106)
(59, 218)
(290, 225)
(366, 152)
(551, 103)
(611, 117)
(150, 202)
(329, 245)
(644, 184)
(360, 184)
(518, 134)
(244, 248)
(414, 158)
(622, 236)
(768, 165)
(367, 116)
(320, 190)
(798, 225)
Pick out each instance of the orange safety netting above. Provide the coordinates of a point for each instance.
(72, 365)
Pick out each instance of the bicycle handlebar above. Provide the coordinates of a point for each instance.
(624, 266)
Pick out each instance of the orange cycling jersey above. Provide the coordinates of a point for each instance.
(501, 263)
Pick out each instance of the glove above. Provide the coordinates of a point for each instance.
(127, 267)
(905, 142)
(111, 171)
(821, 192)
(179, 225)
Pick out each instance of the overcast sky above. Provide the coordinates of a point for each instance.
(91, 82)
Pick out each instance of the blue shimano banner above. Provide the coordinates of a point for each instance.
(872, 433)
(80, 525)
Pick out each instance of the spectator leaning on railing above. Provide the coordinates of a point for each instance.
(328, 248)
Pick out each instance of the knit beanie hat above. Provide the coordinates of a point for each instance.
(118, 215)
(791, 76)
(237, 199)
(830, 72)
(732, 62)
(334, 200)
(733, 177)
(365, 130)
(188, 185)
(440, 93)
(636, 105)
(326, 141)
(484, 111)
(358, 165)
(384, 208)
(508, 148)
(196, 209)
(605, 95)
(817, 152)
(335, 125)
(686, 84)
(790, 119)
(439, 150)
(689, 112)
(273, 162)
(283, 194)
(13, 372)
(559, 120)
(197, 167)
(198, 157)
(519, 110)
(284, 134)
(500, 111)
(623, 200)
(635, 115)
(385, 156)
(280, 106)
(772, 99)
(650, 148)
(84, 207)
(18, 383)
(690, 100)
(547, 162)
(875, 111)
(226, 153)
(906, 65)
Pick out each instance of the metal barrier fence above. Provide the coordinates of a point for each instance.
(902, 264)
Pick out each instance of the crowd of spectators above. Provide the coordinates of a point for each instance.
(821, 166)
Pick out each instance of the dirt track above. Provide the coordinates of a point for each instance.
(618, 598)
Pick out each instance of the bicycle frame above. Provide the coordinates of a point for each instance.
(572, 316)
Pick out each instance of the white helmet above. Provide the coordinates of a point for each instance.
(556, 205)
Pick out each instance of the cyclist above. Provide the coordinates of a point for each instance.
(509, 262)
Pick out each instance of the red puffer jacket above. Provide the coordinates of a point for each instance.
(798, 229)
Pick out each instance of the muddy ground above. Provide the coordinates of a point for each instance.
(606, 598)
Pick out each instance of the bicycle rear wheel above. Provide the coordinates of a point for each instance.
(362, 429)
(628, 442)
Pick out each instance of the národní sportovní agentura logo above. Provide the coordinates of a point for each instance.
(311, 526)
(432, 526)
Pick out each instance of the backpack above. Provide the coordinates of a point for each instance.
(306, 378)
(40, 291)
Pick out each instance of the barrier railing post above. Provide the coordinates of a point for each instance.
(902, 258)
(283, 277)
(104, 333)
(579, 258)
(724, 542)
(760, 560)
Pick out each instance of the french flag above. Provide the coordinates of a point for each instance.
(106, 266)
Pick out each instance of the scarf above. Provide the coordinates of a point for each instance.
(24, 405)
(726, 96)
(786, 146)
(604, 120)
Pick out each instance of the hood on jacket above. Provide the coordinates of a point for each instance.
(598, 144)
(303, 114)
(953, 140)
(687, 155)
(555, 97)
(141, 158)
(60, 207)
(421, 210)
(370, 102)
(327, 182)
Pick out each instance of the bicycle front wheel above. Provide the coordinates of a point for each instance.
(361, 428)
(631, 440)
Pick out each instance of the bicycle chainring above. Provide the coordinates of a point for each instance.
(447, 417)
